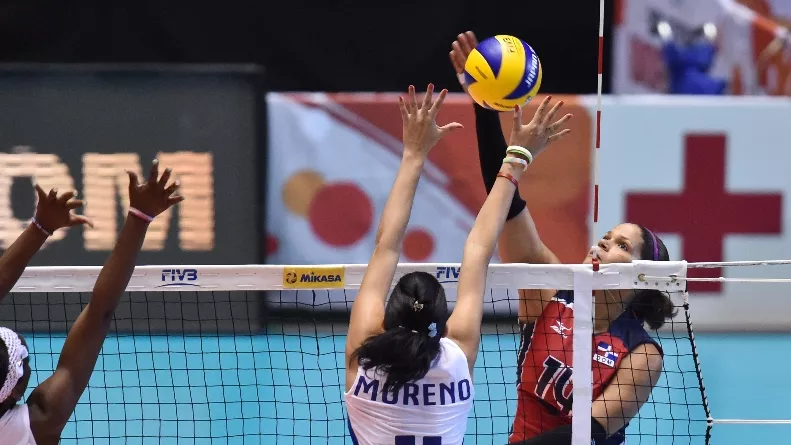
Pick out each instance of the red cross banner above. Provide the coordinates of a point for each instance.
(710, 176)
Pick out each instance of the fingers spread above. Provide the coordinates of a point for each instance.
(559, 123)
(165, 177)
(560, 135)
(412, 102)
(447, 128)
(427, 98)
(402, 107)
(175, 200)
(75, 203)
(40, 192)
(438, 104)
(542, 110)
(154, 174)
(64, 198)
(172, 188)
(517, 116)
(133, 181)
(551, 115)
(76, 220)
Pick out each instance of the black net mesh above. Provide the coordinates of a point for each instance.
(268, 367)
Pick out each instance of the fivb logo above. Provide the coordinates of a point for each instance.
(448, 274)
(179, 277)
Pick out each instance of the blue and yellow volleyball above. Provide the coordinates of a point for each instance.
(502, 72)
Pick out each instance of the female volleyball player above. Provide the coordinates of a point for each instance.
(409, 364)
(42, 418)
(627, 361)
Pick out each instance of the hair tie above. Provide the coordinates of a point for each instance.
(417, 306)
(432, 329)
(16, 353)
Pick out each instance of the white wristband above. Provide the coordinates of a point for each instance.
(514, 160)
(522, 151)
(462, 80)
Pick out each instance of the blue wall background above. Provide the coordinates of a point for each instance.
(286, 389)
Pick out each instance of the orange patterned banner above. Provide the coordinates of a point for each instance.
(341, 197)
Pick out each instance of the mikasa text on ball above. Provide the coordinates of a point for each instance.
(502, 72)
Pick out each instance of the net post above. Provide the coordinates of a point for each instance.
(582, 391)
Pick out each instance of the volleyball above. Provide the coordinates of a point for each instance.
(502, 72)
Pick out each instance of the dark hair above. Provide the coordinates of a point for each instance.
(407, 348)
(653, 307)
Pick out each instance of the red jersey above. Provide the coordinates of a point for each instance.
(544, 372)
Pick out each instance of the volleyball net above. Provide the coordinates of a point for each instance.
(255, 354)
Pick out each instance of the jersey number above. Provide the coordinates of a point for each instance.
(558, 375)
(411, 440)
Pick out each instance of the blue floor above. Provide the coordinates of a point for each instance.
(287, 390)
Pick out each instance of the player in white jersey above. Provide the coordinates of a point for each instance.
(409, 364)
(44, 415)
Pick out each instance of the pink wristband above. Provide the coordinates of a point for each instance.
(140, 214)
(35, 222)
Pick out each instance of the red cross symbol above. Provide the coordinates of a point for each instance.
(705, 212)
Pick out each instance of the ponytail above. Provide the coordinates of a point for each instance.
(402, 355)
(653, 307)
(414, 322)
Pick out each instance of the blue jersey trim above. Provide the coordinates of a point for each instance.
(351, 432)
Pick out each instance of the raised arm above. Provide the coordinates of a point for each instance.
(53, 401)
(52, 213)
(464, 325)
(421, 133)
(519, 241)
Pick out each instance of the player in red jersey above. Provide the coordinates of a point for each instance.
(627, 361)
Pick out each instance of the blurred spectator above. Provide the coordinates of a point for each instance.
(688, 62)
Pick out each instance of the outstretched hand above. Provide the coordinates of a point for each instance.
(539, 132)
(153, 196)
(460, 50)
(421, 131)
(54, 212)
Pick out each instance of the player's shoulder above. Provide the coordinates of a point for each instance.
(564, 297)
(632, 333)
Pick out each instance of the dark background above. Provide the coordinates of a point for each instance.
(316, 45)
(69, 111)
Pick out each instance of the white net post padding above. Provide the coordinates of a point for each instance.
(582, 391)
(664, 276)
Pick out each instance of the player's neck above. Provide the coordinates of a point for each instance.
(605, 310)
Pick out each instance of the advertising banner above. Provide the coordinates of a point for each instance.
(81, 129)
(709, 175)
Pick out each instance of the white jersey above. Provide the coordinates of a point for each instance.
(15, 427)
(430, 411)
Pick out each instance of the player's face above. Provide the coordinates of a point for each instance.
(622, 244)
